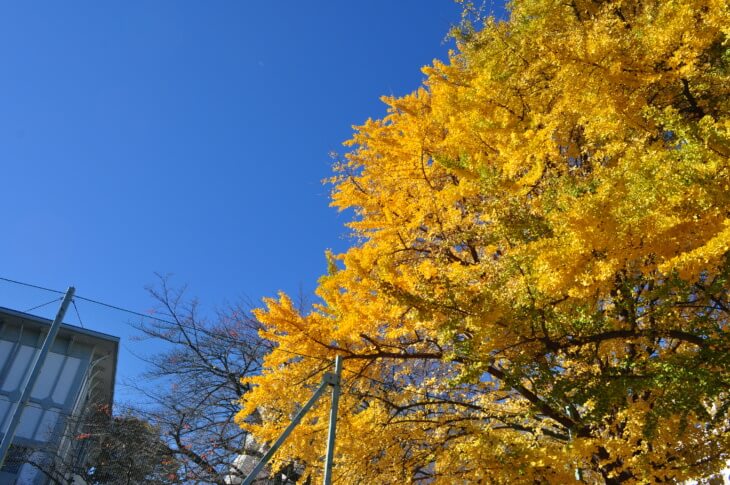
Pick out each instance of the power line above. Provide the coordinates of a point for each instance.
(77, 313)
(131, 312)
(43, 304)
(390, 387)
(384, 385)
(322, 359)
(32, 286)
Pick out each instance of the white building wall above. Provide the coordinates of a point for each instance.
(55, 394)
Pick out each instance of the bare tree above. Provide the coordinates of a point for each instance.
(100, 449)
(197, 386)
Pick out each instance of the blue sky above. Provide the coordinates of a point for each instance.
(187, 137)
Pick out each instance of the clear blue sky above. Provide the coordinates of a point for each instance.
(187, 137)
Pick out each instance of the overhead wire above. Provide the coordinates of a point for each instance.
(131, 312)
(97, 302)
(78, 315)
(32, 286)
(43, 304)
(384, 386)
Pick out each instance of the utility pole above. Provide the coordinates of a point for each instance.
(333, 423)
(26, 387)
(329, 379)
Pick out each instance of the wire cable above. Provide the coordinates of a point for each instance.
(114, 307)
(31, 286)
(321, 359)
(43, 304)
(131, 312)
(78, 315)
(385, 385)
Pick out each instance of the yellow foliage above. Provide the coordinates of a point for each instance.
(540, 288)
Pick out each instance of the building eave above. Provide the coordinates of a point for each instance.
(108, 342)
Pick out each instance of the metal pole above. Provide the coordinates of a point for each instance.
(327, 379)
(333, 423)
(16, 410)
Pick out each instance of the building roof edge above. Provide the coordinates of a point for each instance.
(74, 328)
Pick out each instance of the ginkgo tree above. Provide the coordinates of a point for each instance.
(537, 291)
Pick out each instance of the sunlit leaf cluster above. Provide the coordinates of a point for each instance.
(537, 288)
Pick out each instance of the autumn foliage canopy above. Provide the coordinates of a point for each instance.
(537, 290)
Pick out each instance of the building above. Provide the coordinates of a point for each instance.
(79, 373)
